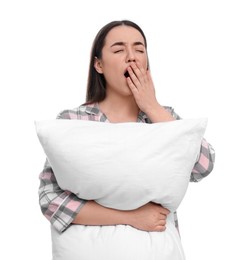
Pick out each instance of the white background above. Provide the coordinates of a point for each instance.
(200, 61)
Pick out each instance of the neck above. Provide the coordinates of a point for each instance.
(119, 108)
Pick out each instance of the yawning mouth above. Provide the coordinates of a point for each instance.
(126, 74)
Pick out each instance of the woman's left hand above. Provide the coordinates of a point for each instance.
(142, 87)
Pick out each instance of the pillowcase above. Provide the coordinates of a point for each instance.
(123, 165)
(123, 242)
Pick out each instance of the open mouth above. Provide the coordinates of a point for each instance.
(126, 74)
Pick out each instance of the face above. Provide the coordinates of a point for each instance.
(123, 45)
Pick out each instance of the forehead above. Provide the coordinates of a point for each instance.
(123, 33)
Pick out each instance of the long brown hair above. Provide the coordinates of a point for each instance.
(96, 85)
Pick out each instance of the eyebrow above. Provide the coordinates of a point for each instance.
(123, 44)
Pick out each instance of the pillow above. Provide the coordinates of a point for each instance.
(120, 242)
(123, 165)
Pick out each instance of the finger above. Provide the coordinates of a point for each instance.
(164, 211)
(136, 69)
(162, 223)
(132, 86)
(162, 217)
(141, 68)
(133, 77)
(160, 228)
(139, 72)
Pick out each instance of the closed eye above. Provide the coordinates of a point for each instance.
(118, 51)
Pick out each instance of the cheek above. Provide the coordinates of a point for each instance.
(109, 68)
(144, 62)
(111, 64)
(112, 72)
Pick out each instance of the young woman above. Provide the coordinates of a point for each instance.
(120, 89)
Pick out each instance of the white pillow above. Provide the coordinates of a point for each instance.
(120, 242)
(123, 165)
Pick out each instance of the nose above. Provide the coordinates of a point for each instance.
(130, 56)
(132, 59)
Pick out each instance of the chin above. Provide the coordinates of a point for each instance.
(128, 92)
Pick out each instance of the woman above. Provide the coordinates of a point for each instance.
(120, 89)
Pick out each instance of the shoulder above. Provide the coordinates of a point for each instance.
(80, 112)
(68, 113)
(172, 111)
(169, 108)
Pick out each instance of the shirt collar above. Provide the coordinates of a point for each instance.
(93, 109)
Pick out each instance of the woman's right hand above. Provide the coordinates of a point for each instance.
(150, 217)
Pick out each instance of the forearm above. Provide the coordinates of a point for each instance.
(149, 217)
(94, 214)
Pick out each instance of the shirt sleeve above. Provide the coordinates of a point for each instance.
(205, 162)
(58, 206)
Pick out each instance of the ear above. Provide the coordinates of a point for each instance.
(98, 65)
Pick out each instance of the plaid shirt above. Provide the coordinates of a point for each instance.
(61, 207)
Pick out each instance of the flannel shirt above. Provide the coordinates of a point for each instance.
(60, 207)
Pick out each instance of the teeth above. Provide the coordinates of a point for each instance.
(126, 74)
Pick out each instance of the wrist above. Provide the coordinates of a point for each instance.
(129, 217)
(159, 114)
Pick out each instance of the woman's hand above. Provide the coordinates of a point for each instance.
(142, 88)
(150, 217)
